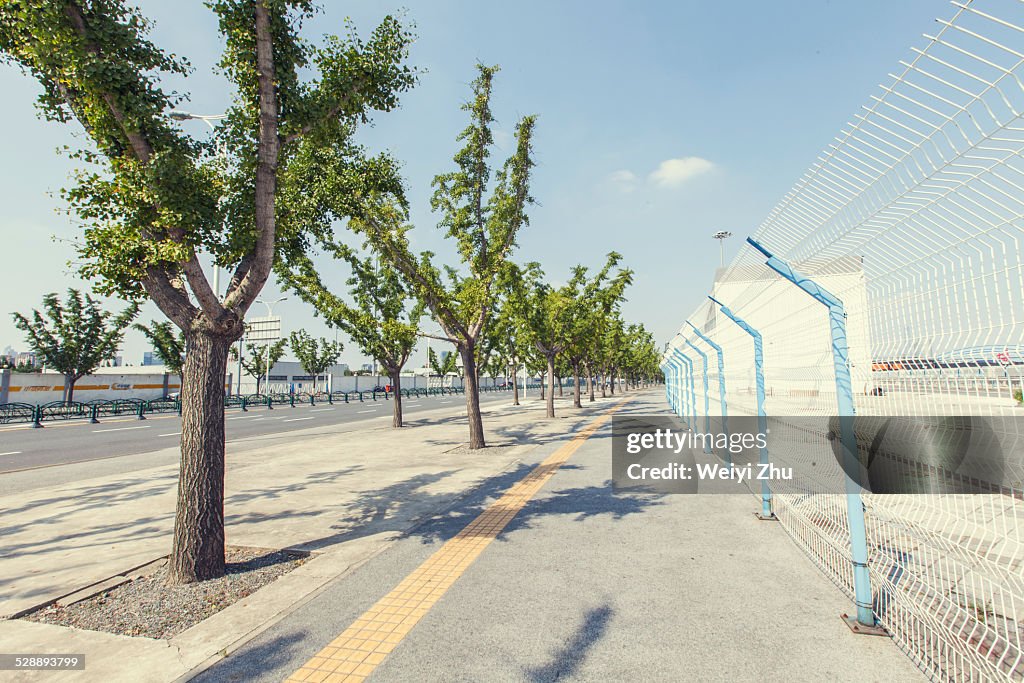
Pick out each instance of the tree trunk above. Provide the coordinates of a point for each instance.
(543, 393)
(551, 386)
(472, 388)
(560, 392)
(198, 550)
(576, 386)
(515, 388)
(590, 382)
(604, 384)
(611, 382)
(396, 404)
(69, 388)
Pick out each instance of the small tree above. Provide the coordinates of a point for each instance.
(442, 368)
(593, 301)
(382, 321)
(484, 230)
(260, 360)
(540, 310)
(314, 355)
(74, 337)
(168, 343)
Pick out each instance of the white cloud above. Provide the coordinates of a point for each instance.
(675, 172)
(624, 180)
(502, 139)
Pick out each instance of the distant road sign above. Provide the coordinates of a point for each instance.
(265, 330)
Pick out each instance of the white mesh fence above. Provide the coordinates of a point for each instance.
(914, 217)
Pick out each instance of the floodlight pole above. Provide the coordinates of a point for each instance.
(844, 399)
(721, 384)
(222, 150)
(721, 236)
(762, 417)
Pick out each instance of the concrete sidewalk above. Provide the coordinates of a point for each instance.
(588, 585)
(345, 492)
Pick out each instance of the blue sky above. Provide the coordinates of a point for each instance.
(659, 123)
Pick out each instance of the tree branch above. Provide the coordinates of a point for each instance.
(250, 281)
(333, 112)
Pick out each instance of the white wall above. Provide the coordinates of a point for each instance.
(38, 388)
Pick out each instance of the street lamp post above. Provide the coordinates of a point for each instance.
(721, 236)
(270, 314)
(222, 150)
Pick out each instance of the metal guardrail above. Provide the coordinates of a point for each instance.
(18, 413)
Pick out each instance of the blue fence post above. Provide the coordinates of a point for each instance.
(707, 401)
(762, 417)
(721, 383)
(844, 400)
(679, 385)
(691, 374)
(668, 382)
(691, 396)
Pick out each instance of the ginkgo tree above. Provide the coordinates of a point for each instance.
(482, 221)
(443, 365)
(74, 337)
(154, 200)
(314, 355)
(542, 310)
(593, 300)
(258, 360)
(378, 315)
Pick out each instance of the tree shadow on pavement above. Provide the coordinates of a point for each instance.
(273, 659)
(567, 659)
(288, 490)
(579, 504)
(387, 509)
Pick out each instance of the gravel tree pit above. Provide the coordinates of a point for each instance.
(149, 608)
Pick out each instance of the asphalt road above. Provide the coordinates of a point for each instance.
(77, 441)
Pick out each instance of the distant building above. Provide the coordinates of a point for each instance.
(25, 358)
(367, 367)
(150, 358)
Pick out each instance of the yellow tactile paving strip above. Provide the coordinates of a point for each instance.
(354, 654)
